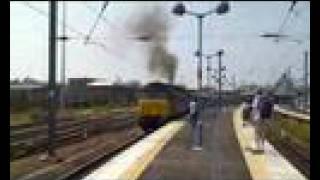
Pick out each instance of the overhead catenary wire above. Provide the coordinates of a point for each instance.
(88, 38)
(43, 13)
(104, 6)
(113, 25)
(110, 24)
(105, 20)
(80, 35)
(182, 36)
(293, 4)
(93, 39)
(289, 12)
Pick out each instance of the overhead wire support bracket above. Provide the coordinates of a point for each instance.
(290, 10)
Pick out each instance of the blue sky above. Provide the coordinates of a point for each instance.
(249, 57)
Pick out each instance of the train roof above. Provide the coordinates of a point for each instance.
(164, 86)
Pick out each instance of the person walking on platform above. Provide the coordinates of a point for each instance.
(255, 113)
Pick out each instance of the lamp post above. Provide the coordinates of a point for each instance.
(220, 53)
(180, 10)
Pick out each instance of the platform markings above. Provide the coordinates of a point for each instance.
(131, 163)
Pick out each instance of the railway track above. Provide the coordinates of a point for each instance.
(77, 159)
(293, 151)
(295, 154)
(83, 169)
(34, 139)
(295, 109)
(74, 168)
(291, 144)
(288, 144)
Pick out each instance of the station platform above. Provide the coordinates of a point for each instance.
(167, 154)
(270, 165)
(220, 159)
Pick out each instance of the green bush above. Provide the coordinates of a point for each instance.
(298, 129)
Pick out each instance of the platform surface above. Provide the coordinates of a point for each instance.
(227, 154)
(220, 159)
(270, 165)
(132, 162)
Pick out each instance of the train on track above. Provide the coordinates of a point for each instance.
(159, 103)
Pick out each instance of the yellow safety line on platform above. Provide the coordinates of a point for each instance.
(268, 166)
(130, 164)
(136, 170)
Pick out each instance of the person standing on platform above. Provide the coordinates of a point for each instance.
(266, 115)
(196, 127)
(192, 112)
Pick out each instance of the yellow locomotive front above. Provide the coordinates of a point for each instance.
(159, 103)
(153, 108)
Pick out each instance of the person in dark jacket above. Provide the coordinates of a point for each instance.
(246, 113)
(265, 107)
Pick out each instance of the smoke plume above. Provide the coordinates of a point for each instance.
(152, 28)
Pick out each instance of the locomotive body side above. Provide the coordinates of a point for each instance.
(179, 103)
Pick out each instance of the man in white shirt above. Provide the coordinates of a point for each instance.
(192, 113)
(196, 125)
(192, 107)
(257, 119)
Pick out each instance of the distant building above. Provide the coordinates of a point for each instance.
(285, 90)
(77, 90)
(24, 95)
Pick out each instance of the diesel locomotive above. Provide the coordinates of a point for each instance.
(159, 103)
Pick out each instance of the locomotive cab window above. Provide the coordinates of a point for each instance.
(153, 93)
